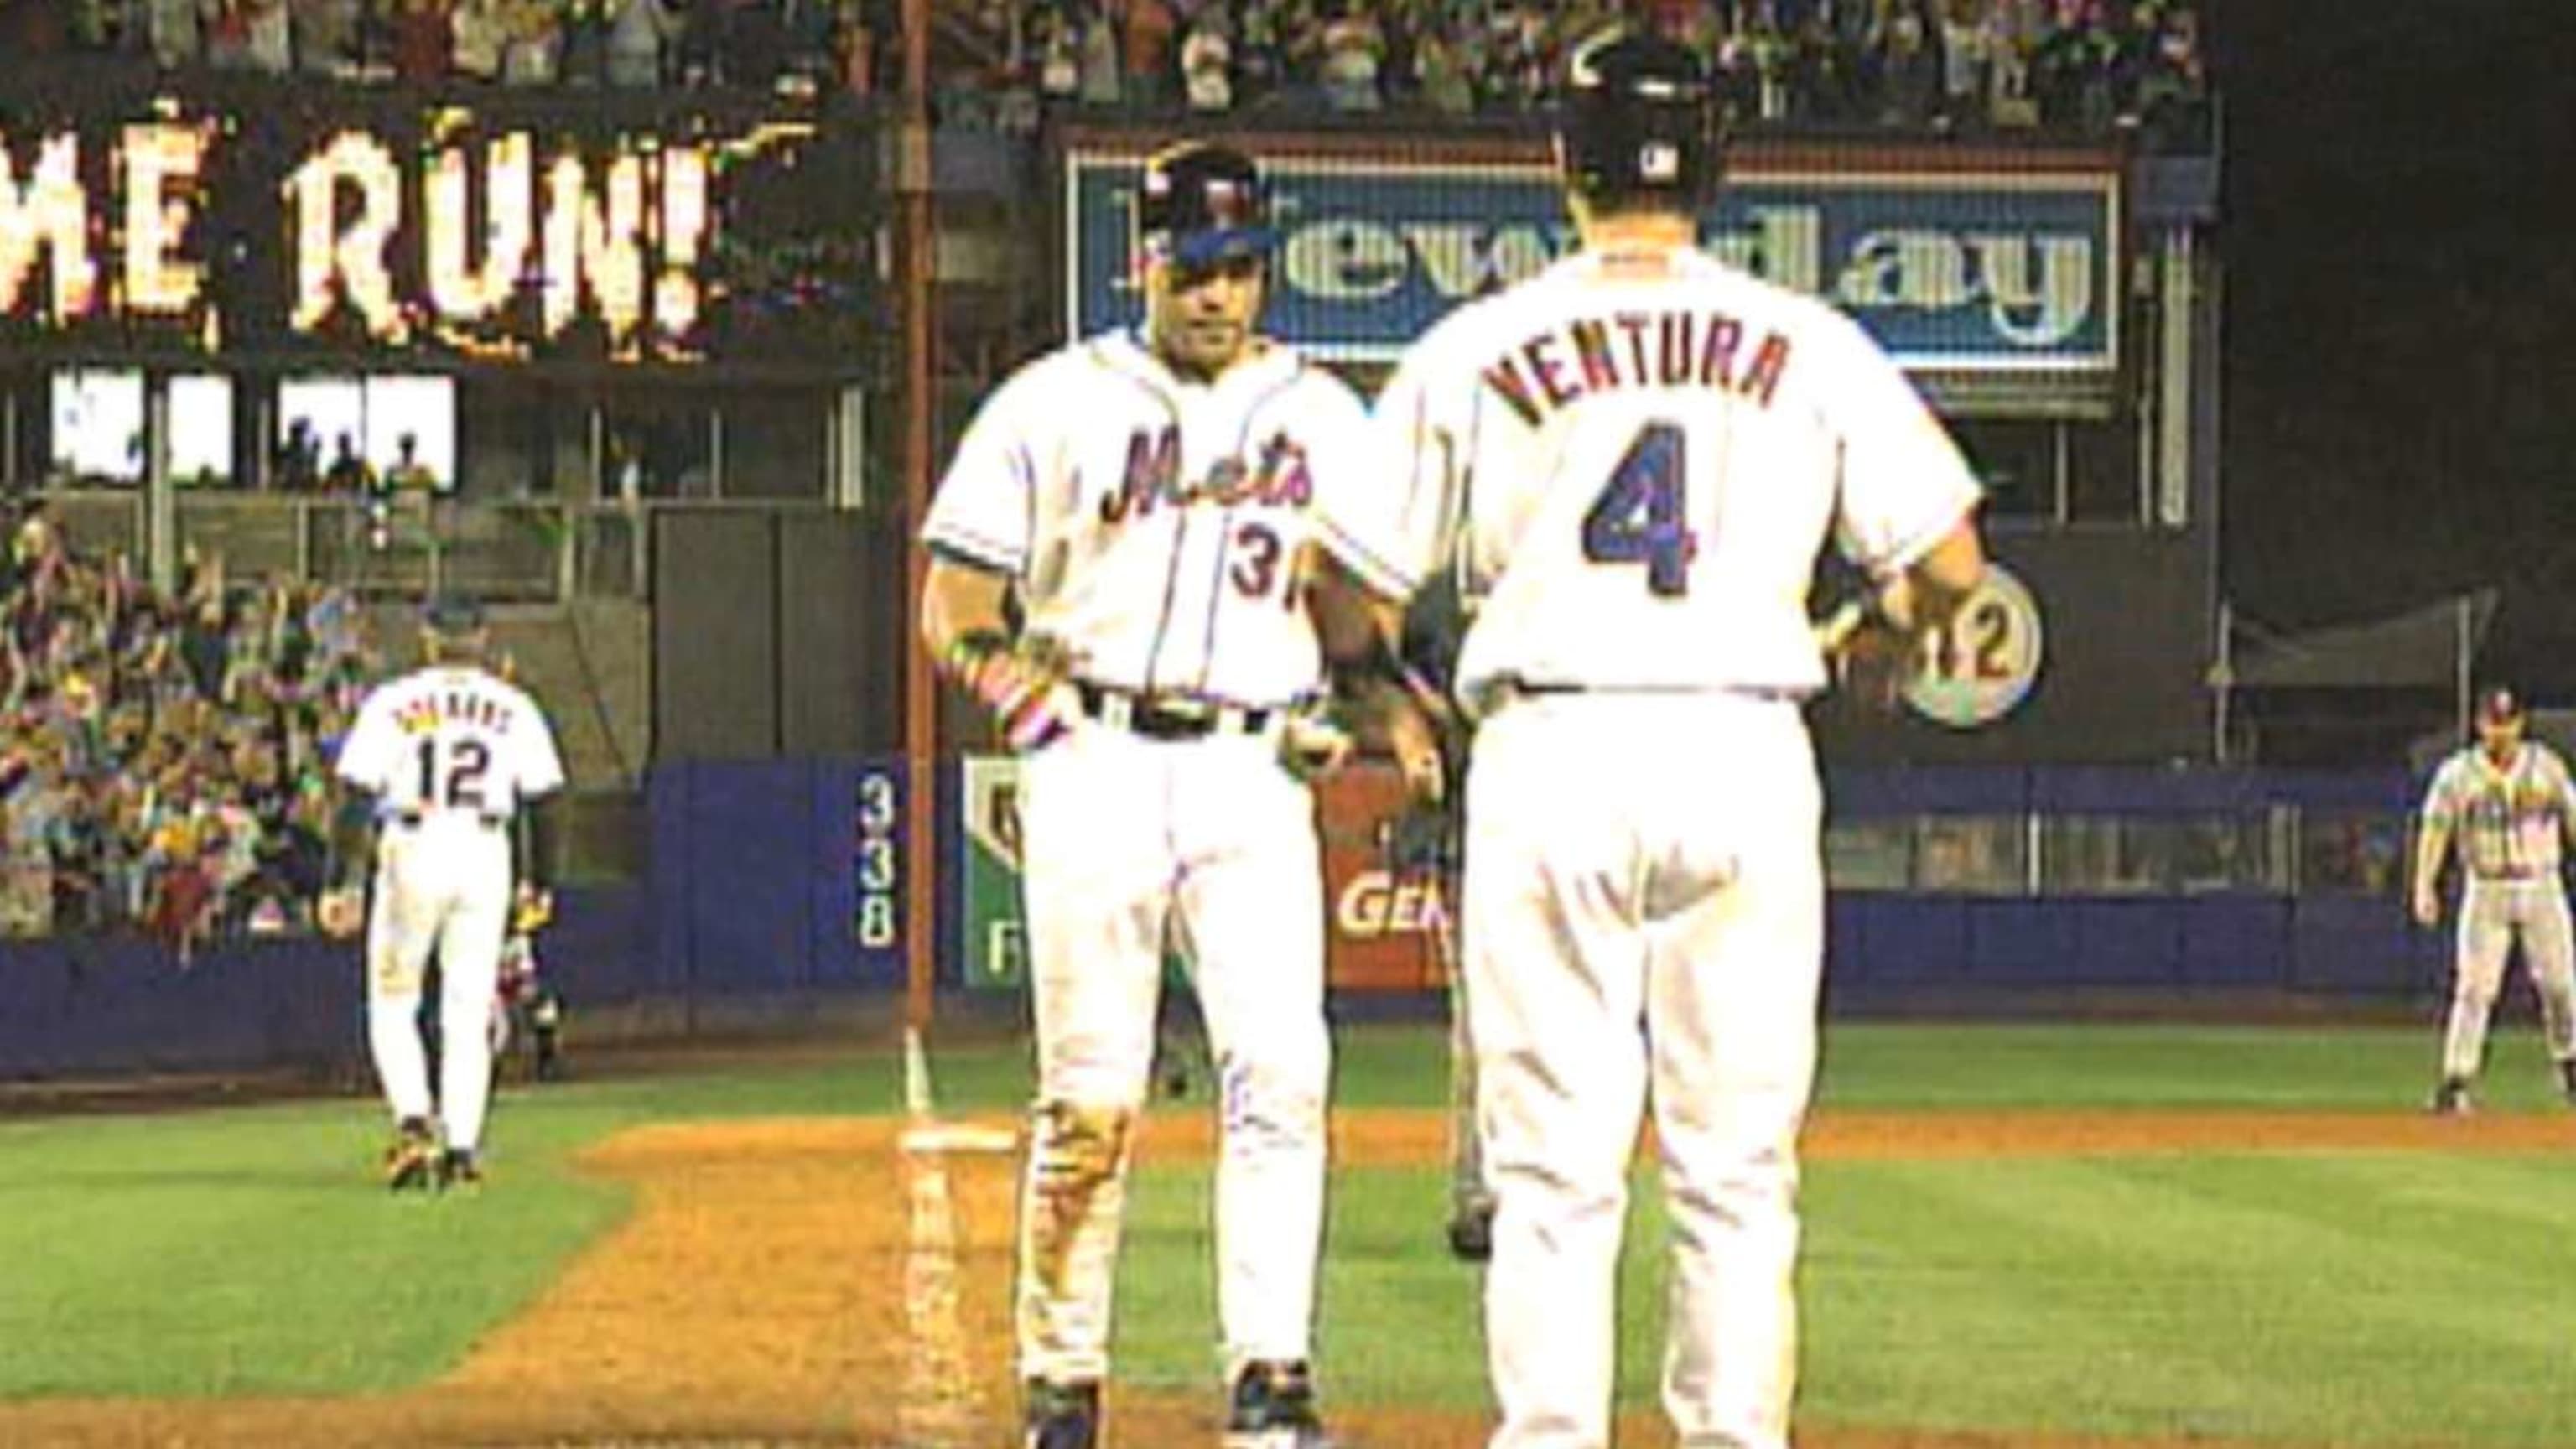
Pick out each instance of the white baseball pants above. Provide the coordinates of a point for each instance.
(443, 885)
(2494, 912)
(1124, 840)
(1644, 923)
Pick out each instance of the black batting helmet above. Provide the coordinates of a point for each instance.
(1199, 203)
(1636, 124)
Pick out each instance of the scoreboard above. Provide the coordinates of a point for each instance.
(647, 230)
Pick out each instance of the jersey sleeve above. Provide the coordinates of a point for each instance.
(1355, 513)
(367, 754)
(1903, 484)
(1413, 467)
(2442, 797)
(2562, 786)
(984, 510)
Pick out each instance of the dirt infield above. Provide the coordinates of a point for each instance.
(770, 1290)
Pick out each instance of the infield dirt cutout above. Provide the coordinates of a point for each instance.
(810, 1281)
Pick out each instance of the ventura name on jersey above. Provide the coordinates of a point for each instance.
(1636, 349)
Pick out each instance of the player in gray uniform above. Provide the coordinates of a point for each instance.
(2509, 803)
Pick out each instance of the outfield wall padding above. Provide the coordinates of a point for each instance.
(756, 891)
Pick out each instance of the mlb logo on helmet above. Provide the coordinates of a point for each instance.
(1201, 203)
(1228, 203)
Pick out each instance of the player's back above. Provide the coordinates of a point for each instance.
(1643, 472)
(449, 739)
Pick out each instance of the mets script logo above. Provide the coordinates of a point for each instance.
(1275, 478)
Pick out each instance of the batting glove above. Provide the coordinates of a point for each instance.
(1023, 688)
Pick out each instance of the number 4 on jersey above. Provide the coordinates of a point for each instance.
(1639, 517)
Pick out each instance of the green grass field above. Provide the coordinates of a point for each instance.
(2348, 1297)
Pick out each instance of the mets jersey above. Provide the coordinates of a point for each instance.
(1154, 524)
(450, 741)
(1632, 461)
(2509, 817)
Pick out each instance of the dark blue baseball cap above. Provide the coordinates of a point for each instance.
(1200, 203)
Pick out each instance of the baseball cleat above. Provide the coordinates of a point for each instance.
(2451, 1099)
(1061, 1416)
(1471, 1234)
(2567, 1080)
(459, 1167)
(413, 1159)
(1274, 1408)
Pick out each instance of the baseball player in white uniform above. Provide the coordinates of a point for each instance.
(449, 754)
(1117, 574)
(1634, 459)
(2509, 802)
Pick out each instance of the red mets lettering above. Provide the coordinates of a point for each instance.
(1559, 393)
(1592, 349)
(1507, 381)
(1664, 349)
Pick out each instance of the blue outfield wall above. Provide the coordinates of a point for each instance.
(1886, 948)
(762, 875)
(751, 892)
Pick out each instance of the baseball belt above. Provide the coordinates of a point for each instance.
(415, 819)
(1170, 716)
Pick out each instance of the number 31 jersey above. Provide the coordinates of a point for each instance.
(448, 740)
(1154, 524)
(1632, 461)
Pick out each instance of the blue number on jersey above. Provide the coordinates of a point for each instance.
(1639, 517)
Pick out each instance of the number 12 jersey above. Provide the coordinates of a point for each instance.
(449, 740)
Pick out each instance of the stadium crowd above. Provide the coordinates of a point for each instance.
(2091, 65)
(164, 758)
(795, 44)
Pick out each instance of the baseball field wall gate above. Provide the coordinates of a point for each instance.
(775, 632)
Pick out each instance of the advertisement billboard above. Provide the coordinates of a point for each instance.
(1955, 266)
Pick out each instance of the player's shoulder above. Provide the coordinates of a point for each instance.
(1778, 306)
(1472, 325)
(395, 686)
(1046, 378)
(1452, 350)
(1306, 380)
